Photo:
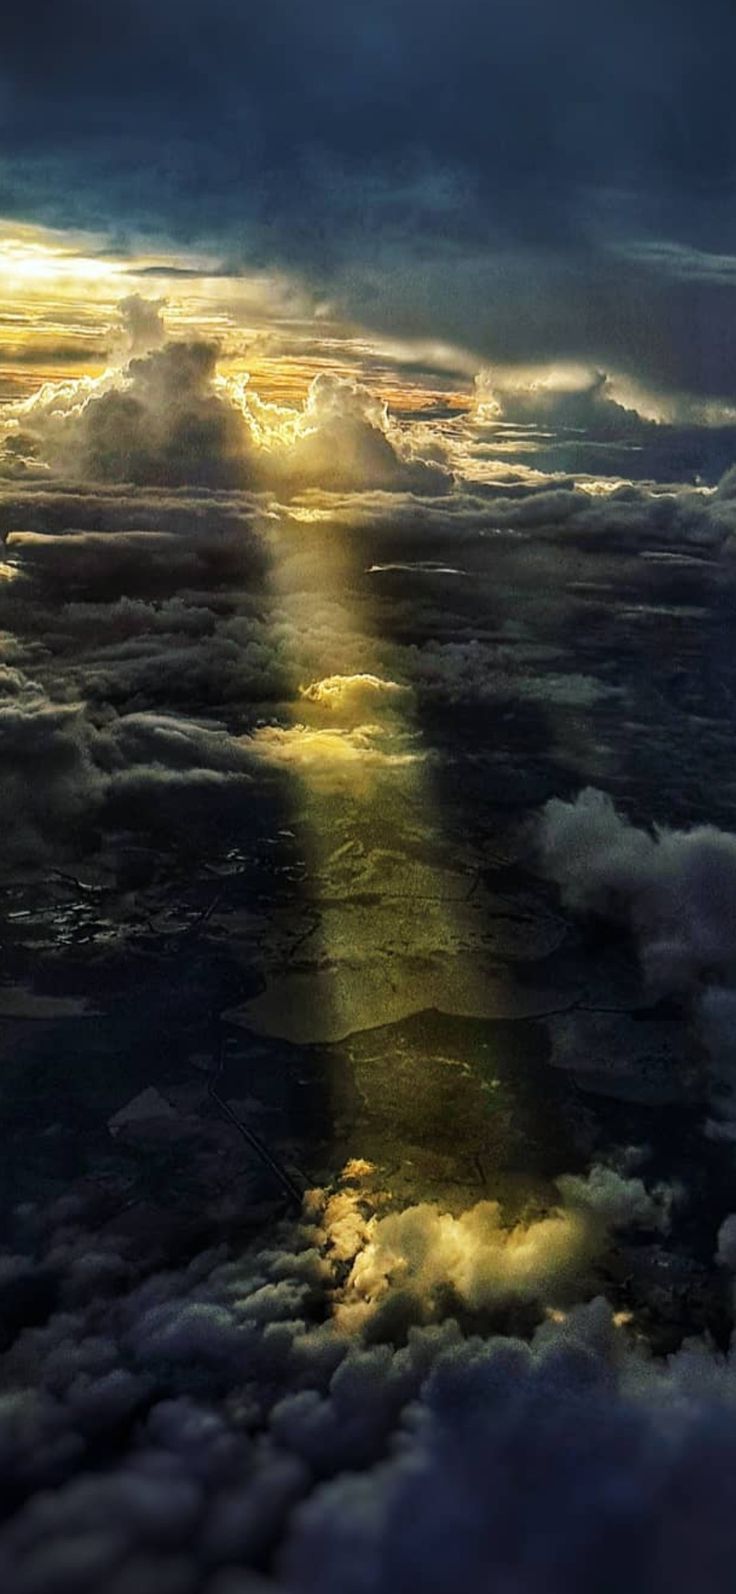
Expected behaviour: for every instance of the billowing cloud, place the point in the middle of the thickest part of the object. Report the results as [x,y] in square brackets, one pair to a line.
[480,1263]
[344,439]
[166,418]
[572,418]
[675,891]
[67,772]
[161,424]
[143,323]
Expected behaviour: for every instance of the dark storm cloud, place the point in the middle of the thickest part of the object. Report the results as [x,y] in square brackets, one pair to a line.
[524,177]
[102,564]
[481,526]
[58,506]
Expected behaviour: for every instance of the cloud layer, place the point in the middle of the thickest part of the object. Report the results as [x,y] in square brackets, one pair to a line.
[191,1427]
[358,1402]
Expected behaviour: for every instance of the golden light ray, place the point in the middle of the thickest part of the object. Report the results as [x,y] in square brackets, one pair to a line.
[393,936]
[390,929]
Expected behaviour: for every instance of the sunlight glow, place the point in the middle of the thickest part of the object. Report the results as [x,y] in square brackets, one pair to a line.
[24,262]
[390,929]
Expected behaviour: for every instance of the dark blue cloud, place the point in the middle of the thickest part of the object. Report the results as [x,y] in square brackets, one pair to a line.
[482,170]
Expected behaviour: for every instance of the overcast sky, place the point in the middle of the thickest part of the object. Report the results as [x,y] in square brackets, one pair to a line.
[532,181]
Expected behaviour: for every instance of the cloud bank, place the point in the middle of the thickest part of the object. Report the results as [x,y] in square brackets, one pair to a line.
[207,1425]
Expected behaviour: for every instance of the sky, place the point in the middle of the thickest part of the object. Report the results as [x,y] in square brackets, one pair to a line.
[522,184]
[368,793]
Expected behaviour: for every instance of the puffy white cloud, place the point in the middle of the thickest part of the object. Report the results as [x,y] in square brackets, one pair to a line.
[482,1263]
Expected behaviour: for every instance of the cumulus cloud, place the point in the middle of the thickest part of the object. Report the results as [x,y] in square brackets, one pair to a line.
[130,598]
[352,734]
[264,1414]
[573,418]
[598,859]
[472,1257]
[476,1260]
[675,889]
[168,418]
[572,398]
[344,439]
[167,425]
[143,323]
[545,1468]
[617,1201]
[158,421]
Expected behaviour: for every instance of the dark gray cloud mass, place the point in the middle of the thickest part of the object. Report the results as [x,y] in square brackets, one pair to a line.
[533,180]
[191,1427]
[135,607]
[417,1402]
[389,1394]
